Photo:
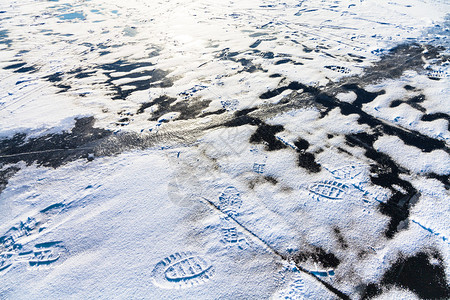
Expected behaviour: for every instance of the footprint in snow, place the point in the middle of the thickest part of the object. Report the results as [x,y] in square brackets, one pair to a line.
[182,270]
[230,201]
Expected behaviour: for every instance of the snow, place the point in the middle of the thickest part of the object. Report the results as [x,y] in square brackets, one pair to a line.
[173,208]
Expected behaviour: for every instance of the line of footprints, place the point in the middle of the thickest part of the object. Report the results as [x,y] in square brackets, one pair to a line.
[230,202]
[295,289]
[182,269]
[339,189]
[187,269]
[42,254]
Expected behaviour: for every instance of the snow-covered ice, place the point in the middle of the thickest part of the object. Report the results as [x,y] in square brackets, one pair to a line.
[224,149]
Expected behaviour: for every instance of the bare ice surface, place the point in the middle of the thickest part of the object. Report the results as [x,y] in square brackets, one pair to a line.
[224,149]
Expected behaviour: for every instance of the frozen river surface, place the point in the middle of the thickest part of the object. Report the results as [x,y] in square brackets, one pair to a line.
[224,149]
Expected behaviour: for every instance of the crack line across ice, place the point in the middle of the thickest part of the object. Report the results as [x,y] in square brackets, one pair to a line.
[444,238]
[283,257]
[43,151]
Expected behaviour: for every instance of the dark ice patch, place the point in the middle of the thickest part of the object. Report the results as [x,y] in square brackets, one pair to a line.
[124,66]
[144,106]
[157,77]
[307,49]
[275,75]
[301,144]
[271,180]
[266,134]
[413,102]
[340,238]
[283,61]
[4,38]
[397,207]
[386,173]
[247,64]
[436,116]
[370,291]
[29,69]
[53,150]
[63,87]
[409,137]
[244,112]
[5,175]
[362,96]
[273,93]
[307,161]
[423,274]
[81,73]
[188,109]
[84,74]
[398,59]
[242,118]
[268,55]
[255,44]
[55,77]
[357,58]
[319,256]
[15,66]
[123,121]
[420,275]
[225,54]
